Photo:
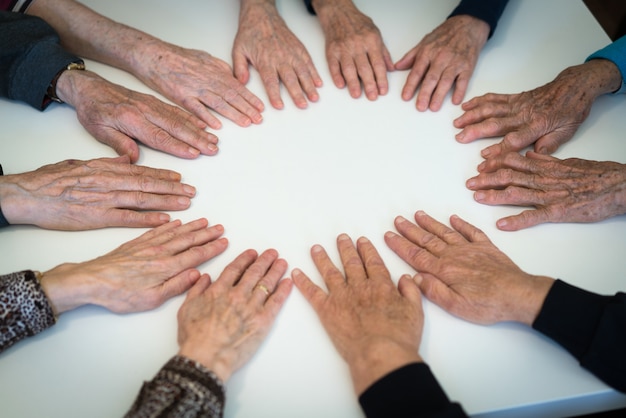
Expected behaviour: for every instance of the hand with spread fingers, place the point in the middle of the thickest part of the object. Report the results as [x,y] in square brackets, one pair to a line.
[464,273]
[222,324]
[446,57]
[140,274]
[375,326]
[81,195]
[570,190]
[355,50]
[264,40]
[545,117]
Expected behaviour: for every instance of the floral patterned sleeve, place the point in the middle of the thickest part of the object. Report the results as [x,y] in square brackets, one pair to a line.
[182,388]
[24,308]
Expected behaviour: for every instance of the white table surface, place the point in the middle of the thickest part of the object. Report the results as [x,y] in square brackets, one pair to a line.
[303,177]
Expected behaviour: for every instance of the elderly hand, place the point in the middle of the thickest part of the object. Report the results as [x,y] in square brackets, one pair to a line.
[264,40]
[447,56]
[465,274]
[375,326]
[80,195]
[197,81]
[117,117]
[571,190]
[222,324]
[547,116]
[140,274]
[354,49]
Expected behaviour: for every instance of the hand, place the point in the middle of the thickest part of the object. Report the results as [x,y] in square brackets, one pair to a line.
[117,117]
[547,116]
[78,195]
[446,56]
[354,49]
[264,40]
[465,274]
[375,326]
[140,274]
[221,325]
[571,190]
[197,81]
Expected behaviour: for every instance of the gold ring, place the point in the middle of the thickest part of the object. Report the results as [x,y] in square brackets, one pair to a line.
[263,288]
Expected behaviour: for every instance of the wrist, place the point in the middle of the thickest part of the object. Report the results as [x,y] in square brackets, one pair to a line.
[52,88]
[595,77]
[377,359]
[528,300]
[215,360]
[62,288]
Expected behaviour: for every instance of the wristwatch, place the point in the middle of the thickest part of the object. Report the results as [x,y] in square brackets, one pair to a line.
[52,88]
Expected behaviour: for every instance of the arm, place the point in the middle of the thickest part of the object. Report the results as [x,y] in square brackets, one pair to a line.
[192,79]
[589,326]
[31,57]
[355,50]
[79,195]
[264,40]
[547,116]
[570,190]
[377,328]
[220,327]
[448,55]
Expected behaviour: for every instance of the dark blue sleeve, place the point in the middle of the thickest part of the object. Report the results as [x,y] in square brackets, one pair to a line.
[309,6]
[3,220]
[30,57]
[591,327]
[487,10]
[408,392]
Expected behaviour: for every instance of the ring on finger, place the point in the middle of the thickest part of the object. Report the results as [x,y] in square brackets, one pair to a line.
[263,288]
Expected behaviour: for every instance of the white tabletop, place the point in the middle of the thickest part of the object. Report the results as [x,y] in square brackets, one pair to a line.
[301,178]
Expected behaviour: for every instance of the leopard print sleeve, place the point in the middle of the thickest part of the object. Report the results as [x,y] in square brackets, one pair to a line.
[24,308]
[182,388]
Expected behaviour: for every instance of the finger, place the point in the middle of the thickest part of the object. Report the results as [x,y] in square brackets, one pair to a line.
[311,292]
[367,77]
[122,218]
[441,90]
[437,292]
[230,104]
[525,219]
[120,142]
[350,258]
[165,238]
[551,141]
[257,271]
[541,157]
[512,141]
[199,287]
[410,290]
[419,236]
[235,269]
[269,281]
[414,78]
[374,265]
[198,254]
[271,82]
[332,276]
[417,257]
[122,165]
[179,284]
[429,83]
[335,72]
[469,231]
[277,299]
[199,109]
[350,74]
[292,83]
[240,66]
[444,233]
[306,78]
[460,87]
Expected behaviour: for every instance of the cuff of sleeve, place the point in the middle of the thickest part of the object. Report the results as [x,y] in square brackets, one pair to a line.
[570,316]
[3,220]
[309,6]
[616,53]
[404,391]
[487,10]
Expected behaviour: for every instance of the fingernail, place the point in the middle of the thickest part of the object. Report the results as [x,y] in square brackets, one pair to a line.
[460,136]
[502,223]
[470,183]
[389,235]
[296,272]
[400,220]
[184,201]
[479,196]
[363,240]
[316,249]
[193,151]
[420,213]
[486,152]
[190,190]
[418,279]
[481,166]
[164,217]
[343,237]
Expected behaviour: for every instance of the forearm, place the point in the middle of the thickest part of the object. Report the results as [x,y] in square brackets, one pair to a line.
[181,388]
[595,77]
[24,308]
[488,11]
[615,53]
[589,326]
[91,35]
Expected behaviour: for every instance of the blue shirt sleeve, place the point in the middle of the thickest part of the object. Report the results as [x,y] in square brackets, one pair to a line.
[487,10]
[616,53]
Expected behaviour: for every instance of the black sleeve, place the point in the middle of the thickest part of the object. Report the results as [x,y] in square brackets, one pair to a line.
[409,391]
[3,220]
[487,10]
[591,327]
[30,57]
